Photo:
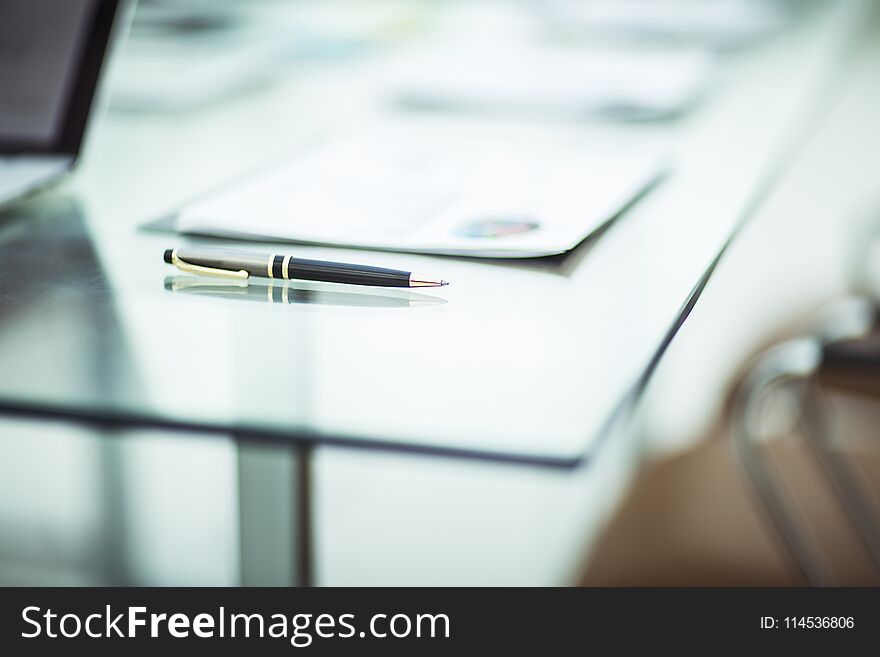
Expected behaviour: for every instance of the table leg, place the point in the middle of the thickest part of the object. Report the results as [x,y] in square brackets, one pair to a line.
[275,514]
[115,547]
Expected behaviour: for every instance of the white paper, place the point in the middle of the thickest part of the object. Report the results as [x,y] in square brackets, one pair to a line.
[446,192]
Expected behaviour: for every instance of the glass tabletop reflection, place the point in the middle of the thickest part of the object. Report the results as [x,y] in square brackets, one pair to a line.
[290,360]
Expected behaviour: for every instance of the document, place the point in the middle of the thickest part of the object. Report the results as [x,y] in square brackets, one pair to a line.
[719,24]
[450,190]
[553,82]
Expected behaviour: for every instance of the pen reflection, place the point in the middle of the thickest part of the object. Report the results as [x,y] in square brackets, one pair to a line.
[298,292]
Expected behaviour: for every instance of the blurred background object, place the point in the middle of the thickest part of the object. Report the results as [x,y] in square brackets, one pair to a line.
[189,54]
[716,24]
[822,500]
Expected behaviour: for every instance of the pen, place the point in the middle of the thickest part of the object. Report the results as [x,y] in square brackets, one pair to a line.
[242,265]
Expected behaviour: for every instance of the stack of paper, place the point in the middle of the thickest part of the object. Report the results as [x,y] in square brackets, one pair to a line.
[452,191]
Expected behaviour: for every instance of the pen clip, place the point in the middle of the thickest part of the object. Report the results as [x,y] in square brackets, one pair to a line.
[183,265]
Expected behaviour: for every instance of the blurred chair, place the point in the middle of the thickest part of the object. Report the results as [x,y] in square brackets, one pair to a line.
[820,392]
[830,381]
[797,501]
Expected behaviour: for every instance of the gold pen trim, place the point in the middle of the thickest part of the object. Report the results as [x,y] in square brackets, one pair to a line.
[285,264]
[269,265]
[183,265]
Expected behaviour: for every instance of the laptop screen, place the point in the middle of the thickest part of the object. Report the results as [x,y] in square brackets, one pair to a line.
[50,56]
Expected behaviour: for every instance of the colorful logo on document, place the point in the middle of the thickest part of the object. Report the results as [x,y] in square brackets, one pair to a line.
[497,227]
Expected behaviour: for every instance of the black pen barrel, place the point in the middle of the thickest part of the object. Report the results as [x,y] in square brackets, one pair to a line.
[340,272]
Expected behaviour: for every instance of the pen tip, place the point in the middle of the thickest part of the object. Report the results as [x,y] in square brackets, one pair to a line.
[167,256]
[416,280]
